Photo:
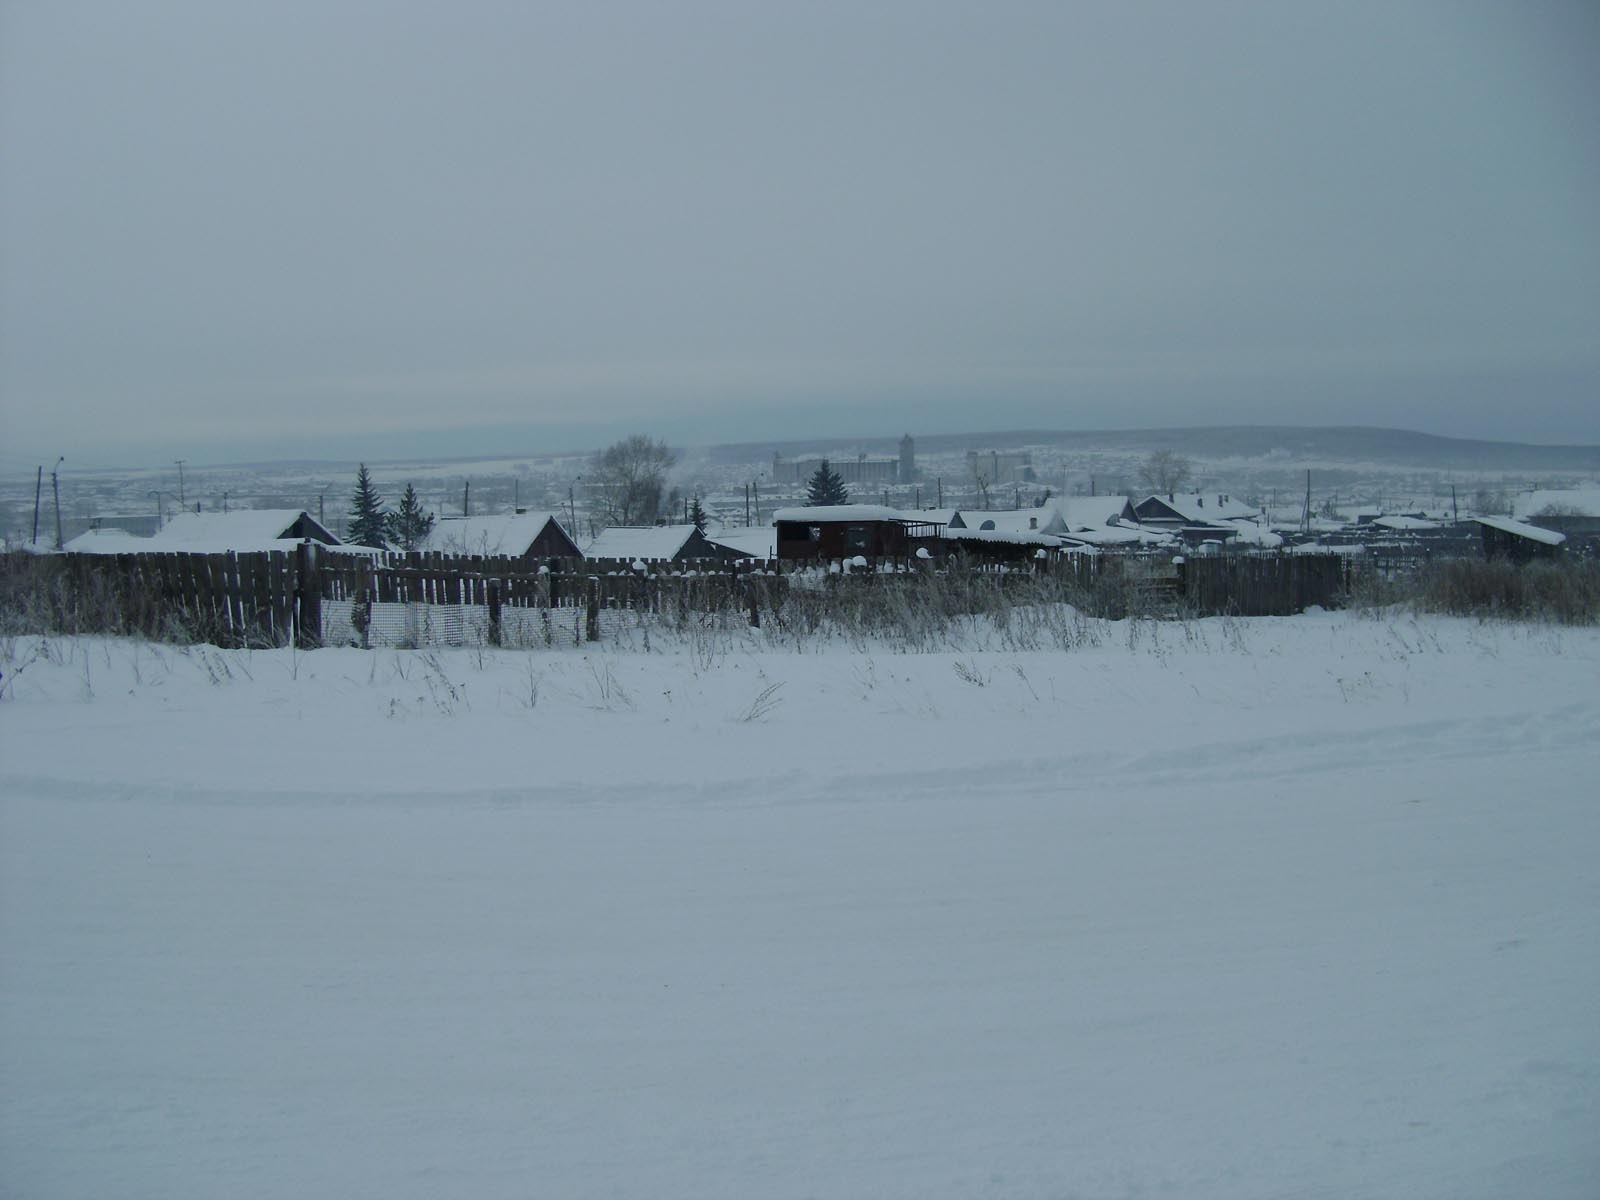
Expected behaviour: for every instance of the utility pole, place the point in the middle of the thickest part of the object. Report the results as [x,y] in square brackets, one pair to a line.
[939,482]
[919,497]
[1305,513]
[55,490]
[321,518]
[180,462]
[755,490]
[38,487]
[1454,507]
[466,498]
[747,506]
[572,504]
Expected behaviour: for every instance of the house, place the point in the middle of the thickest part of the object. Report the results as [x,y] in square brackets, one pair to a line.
[754,541]
[524,535]
[243,530]
[1106,522]
[1517,541]
[656,543]
[1195,519]
[106,541]
[841,531]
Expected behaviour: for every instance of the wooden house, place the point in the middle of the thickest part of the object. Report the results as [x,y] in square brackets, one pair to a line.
[657,543]
[528,536]
[1517,541]
[835,532]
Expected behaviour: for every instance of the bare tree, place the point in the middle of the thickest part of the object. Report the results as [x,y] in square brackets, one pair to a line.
[1165,471]
[629,478]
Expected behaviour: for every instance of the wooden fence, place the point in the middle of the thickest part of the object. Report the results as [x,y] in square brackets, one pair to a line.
[281,598]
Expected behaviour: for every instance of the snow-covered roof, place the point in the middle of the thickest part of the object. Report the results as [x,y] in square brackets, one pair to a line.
[642,542]
[242,530]
[107,541]
[1581,501]
[845,512]
[758,541]
[1548,537]
[1087,512]
[1404,523]
[1205,508]
[1254,533]
[1018,520]
[498,533]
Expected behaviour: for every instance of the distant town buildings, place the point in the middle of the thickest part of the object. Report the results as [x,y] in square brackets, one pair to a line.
[860,469]
[995,466]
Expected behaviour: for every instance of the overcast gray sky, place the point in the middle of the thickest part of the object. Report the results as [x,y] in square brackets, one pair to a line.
[243,229]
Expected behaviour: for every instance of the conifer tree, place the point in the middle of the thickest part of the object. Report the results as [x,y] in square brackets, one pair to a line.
[368,520]
[410,524]
[697,516]
[826,487]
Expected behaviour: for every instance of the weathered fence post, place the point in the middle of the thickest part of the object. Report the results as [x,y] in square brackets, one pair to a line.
[494,612]
[591,623]
[308,596]
[753,601]
[361,602]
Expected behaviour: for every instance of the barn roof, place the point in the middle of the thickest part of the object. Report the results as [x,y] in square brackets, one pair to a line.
[1404,524]
[242,530]
[497,533]
[1204,509]
[757,540]
[1014,519]
[644,542]
[1548,537]
[1087,512]
[107,541]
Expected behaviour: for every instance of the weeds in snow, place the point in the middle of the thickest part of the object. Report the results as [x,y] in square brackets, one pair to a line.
[766,701]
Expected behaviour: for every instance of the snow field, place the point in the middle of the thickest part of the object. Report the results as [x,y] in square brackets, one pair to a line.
[1253,908]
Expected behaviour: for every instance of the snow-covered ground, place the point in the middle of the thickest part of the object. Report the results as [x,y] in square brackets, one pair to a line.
[1232,909]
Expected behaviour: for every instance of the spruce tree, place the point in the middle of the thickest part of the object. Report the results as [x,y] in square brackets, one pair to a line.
[826,488]
[410,524]
[368,520]
[697,516]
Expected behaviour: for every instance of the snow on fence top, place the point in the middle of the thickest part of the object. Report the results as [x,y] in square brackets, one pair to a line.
[1010,537]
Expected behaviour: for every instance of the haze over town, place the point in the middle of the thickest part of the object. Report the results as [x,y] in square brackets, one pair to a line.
[350,231]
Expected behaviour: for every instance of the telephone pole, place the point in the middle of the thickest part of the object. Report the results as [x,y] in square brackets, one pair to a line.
[38,486]
[55,490]
[180,462]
